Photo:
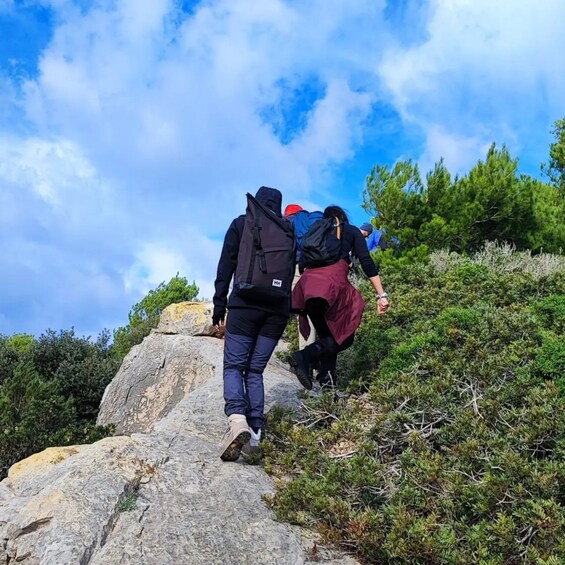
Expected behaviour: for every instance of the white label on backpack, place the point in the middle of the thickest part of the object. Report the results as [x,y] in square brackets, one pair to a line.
[277,283]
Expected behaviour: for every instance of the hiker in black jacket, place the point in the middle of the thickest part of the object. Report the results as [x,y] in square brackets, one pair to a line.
[253,328]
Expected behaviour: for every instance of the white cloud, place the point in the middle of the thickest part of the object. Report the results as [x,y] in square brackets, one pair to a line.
[149,128]
[57,172]
[159,262]
[487,70]
[459,153]
[59,227]
[163,104]
[145,127]
[480,43]
[326,140]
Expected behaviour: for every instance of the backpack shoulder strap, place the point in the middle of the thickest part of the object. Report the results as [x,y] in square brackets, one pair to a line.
[338,228]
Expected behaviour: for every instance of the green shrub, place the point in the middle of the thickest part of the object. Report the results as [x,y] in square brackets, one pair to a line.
[550,359]
[50,391]
[144,316]
[9,358]
[450,446]
[492,202]
[552,312]
[34,415]
[81,369]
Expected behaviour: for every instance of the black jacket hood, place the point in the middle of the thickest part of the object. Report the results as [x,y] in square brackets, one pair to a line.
[271,198]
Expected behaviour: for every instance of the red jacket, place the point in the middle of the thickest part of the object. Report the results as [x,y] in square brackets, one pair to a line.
[346,304]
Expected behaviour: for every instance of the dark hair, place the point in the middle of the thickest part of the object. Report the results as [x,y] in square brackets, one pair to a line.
[336,212]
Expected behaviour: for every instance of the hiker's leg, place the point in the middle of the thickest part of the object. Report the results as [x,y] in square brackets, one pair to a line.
[326,348]
[328,365]
[302,362]
[269,335]
[241,333]
[317,309]
[347,343]
[302,341]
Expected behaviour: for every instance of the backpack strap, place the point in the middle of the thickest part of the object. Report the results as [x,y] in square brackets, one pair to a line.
[338,228]
[258,245]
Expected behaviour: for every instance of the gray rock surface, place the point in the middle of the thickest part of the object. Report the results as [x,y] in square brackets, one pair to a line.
[159,497]
[153,378]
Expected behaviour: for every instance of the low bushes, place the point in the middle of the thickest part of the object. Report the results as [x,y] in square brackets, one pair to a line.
[450,446]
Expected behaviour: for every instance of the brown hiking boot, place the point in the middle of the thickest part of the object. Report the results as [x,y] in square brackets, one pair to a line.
[236,436]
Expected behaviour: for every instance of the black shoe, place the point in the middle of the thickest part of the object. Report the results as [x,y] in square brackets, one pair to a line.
[301,368]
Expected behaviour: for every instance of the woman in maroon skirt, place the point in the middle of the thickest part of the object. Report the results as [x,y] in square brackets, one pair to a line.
[333,304]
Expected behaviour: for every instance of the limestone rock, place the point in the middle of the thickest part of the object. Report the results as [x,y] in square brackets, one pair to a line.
[161,497]
[58,506]
[187,318]
[154,376]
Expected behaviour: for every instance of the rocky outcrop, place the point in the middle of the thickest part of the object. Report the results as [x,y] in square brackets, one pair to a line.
[154,377]
[187,318]
[161,371]
[159,495]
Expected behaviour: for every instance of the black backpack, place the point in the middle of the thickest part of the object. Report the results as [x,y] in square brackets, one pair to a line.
[303,221]
[321,245]
[265,261]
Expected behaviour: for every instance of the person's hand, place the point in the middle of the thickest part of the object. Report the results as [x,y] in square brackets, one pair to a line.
[218,326]
[382,305]
[219,329]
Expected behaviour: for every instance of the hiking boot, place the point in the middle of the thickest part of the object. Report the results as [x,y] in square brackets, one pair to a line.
[301,368]
[315,365]
[236,436]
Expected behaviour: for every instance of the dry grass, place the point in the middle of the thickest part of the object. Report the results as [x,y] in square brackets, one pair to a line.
[502,258]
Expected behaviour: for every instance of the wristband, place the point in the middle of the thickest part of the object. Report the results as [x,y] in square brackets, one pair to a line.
[383,295]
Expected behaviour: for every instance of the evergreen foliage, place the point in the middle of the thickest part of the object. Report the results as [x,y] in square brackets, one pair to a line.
[450,446]
[555,169]
[50,390]
[493,202]
[80,368]
[144,316]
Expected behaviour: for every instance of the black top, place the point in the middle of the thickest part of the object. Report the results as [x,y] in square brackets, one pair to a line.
[352,241]
[272,199]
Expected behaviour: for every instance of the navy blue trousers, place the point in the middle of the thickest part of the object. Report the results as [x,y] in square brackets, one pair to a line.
[251,337]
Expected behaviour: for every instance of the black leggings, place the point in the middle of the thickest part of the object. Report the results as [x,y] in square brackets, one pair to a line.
[325,349]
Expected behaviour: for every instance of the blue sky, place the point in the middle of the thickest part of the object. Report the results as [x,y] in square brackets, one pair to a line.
[130,130]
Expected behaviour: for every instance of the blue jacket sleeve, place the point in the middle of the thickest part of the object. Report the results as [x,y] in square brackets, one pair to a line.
[373,240]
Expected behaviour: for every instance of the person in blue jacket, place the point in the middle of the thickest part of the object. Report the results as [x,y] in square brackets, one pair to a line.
[377,239]
[372,236]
